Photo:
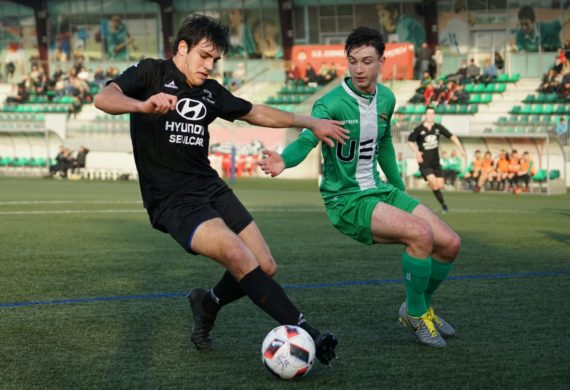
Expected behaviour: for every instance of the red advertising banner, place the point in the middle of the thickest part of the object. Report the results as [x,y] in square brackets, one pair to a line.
[399,59]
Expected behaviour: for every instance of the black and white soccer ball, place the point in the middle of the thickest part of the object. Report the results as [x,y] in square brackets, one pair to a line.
[288,352]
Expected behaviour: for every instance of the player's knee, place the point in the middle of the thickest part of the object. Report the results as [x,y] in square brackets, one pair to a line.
[422,237]
[454,246]
[236,260]
[451,248]
[269,266]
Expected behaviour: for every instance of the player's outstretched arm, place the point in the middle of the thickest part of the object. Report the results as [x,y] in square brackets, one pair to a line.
[457,143]
[272,163]
[417,153]
[113,101]
[325,130]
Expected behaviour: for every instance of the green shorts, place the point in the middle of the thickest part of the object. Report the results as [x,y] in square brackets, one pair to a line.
[352,215]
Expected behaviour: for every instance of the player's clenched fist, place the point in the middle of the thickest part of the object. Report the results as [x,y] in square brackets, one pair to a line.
[160,103]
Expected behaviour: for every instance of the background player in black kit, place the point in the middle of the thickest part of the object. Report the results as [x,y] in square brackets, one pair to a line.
[424,141]
[171,103]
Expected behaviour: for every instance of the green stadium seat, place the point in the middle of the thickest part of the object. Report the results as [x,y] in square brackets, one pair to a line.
[500,87]
[560,109]
[529,99]
[474,98]
[489,88]
[486,98]
[479,88]
[554,174]
[550,98]
[502,78]
[473,109]
[540,175]
[469,88]
[547,109]
[420,109]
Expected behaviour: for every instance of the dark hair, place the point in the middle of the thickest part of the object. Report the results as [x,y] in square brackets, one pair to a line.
[430,108]
[198,27]
[365,36]
[526,13]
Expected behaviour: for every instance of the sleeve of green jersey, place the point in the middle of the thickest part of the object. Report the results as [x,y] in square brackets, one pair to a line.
[298,150]
[387,159]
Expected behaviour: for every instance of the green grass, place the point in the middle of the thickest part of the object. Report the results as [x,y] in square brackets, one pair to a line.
[71,240]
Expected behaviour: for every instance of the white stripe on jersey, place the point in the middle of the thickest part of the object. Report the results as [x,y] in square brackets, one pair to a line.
[368,134]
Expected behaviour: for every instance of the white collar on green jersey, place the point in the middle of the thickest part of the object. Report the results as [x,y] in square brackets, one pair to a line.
[350,85]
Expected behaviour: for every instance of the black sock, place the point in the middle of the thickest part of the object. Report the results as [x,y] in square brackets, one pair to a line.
[271,298]
[439,197]
[226,291]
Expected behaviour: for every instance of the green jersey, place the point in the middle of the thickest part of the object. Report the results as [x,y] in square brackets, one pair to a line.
[351,168]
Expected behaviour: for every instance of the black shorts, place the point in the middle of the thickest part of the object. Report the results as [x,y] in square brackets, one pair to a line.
[425,171]
[181,215]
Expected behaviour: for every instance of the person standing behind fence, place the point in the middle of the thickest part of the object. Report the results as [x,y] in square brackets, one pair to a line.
[562,131]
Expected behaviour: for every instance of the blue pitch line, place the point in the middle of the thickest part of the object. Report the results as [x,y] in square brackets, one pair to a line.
[514,275]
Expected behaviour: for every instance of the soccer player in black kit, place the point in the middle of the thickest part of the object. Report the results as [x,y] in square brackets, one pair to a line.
[171,102]
[424,142]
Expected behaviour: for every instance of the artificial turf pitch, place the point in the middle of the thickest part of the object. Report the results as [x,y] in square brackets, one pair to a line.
[92,297]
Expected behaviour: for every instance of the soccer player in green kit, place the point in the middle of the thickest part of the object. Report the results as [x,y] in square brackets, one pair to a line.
[362,206]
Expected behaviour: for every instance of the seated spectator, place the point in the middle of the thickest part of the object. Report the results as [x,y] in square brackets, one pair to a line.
[22,95]
[526,171]
[429,94]
[473,72]
[99,77]
[564,87]
[459,95]
[442,92]
[293,73]
[452,166]
[62,163]
[489,72]
[502,169]
[238,75]
[514,168]
[444,162]
[474,172]
[424,82]
[324,75]
[549,82]
[58,73]
[79,161]
[488,173]
[310,74]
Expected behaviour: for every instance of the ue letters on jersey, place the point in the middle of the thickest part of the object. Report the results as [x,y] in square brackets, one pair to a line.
[171,150]
[428,142]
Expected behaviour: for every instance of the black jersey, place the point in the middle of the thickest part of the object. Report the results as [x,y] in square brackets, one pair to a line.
[171,150]
[428,142]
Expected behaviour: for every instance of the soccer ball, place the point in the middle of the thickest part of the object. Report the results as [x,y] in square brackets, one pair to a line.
[288,352]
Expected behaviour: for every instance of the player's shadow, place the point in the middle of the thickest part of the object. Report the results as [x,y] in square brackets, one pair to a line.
[563,238]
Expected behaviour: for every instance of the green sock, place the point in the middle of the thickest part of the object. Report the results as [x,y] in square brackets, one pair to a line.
[439,272]
[416,279]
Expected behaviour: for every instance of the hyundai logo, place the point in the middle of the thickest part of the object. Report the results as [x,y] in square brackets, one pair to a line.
[190,109]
